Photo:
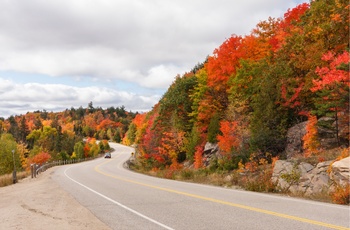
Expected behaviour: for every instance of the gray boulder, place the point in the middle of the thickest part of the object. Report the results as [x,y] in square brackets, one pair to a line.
[340,172]
[301,178]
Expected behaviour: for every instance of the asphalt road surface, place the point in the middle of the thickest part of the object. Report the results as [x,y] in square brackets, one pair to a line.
[127,200]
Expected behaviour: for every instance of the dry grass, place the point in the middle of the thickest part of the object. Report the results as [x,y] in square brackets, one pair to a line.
[7,179]
[324,155]
[259,180]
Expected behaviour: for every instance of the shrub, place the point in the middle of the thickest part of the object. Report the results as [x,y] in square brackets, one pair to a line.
[341,195]
[187,174]
[258,181]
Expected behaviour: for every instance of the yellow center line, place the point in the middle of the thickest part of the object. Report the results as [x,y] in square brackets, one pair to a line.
[300,219]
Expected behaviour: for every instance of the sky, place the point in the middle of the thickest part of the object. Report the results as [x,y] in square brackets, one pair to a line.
[60,54]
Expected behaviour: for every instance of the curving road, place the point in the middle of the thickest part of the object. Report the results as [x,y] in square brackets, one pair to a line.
[126,200]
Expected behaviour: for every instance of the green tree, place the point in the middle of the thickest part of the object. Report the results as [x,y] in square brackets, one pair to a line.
[13,130]
[268,122]
[214,128]
[176,106]
[131,134]
[23,130]
[79,149]
[37,123]
[7,145]
[193,141]
[46,138]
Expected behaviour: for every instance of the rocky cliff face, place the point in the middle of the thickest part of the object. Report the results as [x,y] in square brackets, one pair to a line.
[326,136]
[306,179]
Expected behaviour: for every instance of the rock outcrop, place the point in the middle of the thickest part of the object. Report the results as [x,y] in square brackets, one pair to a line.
[294,139]
[326,136]
[340,172]
[210,151]
[304,178]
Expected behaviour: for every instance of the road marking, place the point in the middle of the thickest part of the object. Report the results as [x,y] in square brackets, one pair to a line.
[116,202]
[300,219]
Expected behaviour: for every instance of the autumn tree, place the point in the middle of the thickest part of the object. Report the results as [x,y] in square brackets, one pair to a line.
[43,138]
[198,161]
[202,108]
[23,155]
[332,88]
[149,140]
[41,158]
[229,138]
[220,67]
[321,28]
[171,148]
[310,141]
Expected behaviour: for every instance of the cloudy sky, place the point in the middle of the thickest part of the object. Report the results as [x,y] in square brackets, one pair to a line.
[60,54]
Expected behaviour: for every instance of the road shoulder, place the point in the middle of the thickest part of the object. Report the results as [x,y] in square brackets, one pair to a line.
[40,203]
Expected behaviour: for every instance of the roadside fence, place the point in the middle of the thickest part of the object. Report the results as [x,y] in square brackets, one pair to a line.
[35,169]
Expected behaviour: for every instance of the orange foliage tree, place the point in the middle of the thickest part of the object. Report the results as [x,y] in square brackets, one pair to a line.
[171,145]
[311,144]
[224,62]
[198,162]
[229,138]
[41,158]
[107,123]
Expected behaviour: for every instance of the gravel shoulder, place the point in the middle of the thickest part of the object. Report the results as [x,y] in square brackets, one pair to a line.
[40,203]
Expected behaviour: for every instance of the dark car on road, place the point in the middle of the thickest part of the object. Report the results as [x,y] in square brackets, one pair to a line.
[108,155]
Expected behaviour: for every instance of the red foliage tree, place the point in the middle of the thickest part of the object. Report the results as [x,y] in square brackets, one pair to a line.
[229,138]
[333,88]
[224,62]
[288,25]
[334,74]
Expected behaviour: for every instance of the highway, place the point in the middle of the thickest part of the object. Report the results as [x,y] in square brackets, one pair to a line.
[127,200]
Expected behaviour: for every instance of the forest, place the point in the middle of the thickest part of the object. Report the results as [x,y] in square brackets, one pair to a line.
[249,92]
[41,136]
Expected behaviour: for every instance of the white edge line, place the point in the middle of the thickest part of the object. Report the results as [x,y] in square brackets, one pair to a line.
[117,203]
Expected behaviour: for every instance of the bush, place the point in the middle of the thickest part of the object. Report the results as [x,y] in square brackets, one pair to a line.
[186,174]
[259,181]
[341,195]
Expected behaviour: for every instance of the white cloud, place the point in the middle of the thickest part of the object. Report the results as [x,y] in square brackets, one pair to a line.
[155,76]
[141,42]
[20,98]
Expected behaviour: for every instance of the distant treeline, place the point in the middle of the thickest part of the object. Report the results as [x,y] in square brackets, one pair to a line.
[41,136]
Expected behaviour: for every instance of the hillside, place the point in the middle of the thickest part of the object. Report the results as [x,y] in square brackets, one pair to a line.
[246,96]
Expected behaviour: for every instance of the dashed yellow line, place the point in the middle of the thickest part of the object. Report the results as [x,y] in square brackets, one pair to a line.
[300,219]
